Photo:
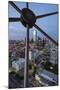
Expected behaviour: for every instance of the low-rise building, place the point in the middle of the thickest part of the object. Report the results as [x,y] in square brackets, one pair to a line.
[33,54]
[47,78]
[18,64]
[54,55]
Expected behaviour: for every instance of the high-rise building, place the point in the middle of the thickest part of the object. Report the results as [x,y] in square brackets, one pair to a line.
[34,35]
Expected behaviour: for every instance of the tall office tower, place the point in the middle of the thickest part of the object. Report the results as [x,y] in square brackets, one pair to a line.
[34,35]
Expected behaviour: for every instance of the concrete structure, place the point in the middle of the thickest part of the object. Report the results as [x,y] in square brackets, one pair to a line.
[34,35]
[54,55]
[18,64]
[33,54]
[46,78]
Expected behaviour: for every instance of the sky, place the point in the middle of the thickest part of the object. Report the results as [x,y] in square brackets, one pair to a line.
[16,31]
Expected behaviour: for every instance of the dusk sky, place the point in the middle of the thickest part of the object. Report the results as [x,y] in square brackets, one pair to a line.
[49,24]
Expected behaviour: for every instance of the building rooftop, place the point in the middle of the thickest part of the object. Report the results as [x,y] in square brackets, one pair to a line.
[48,75]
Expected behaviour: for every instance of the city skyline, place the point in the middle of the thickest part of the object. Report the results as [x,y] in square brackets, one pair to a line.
[33,62]
[49,24]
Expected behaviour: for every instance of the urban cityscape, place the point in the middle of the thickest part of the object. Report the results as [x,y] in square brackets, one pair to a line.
[42,62]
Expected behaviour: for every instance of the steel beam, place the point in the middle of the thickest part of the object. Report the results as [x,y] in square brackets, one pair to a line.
[26,58]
